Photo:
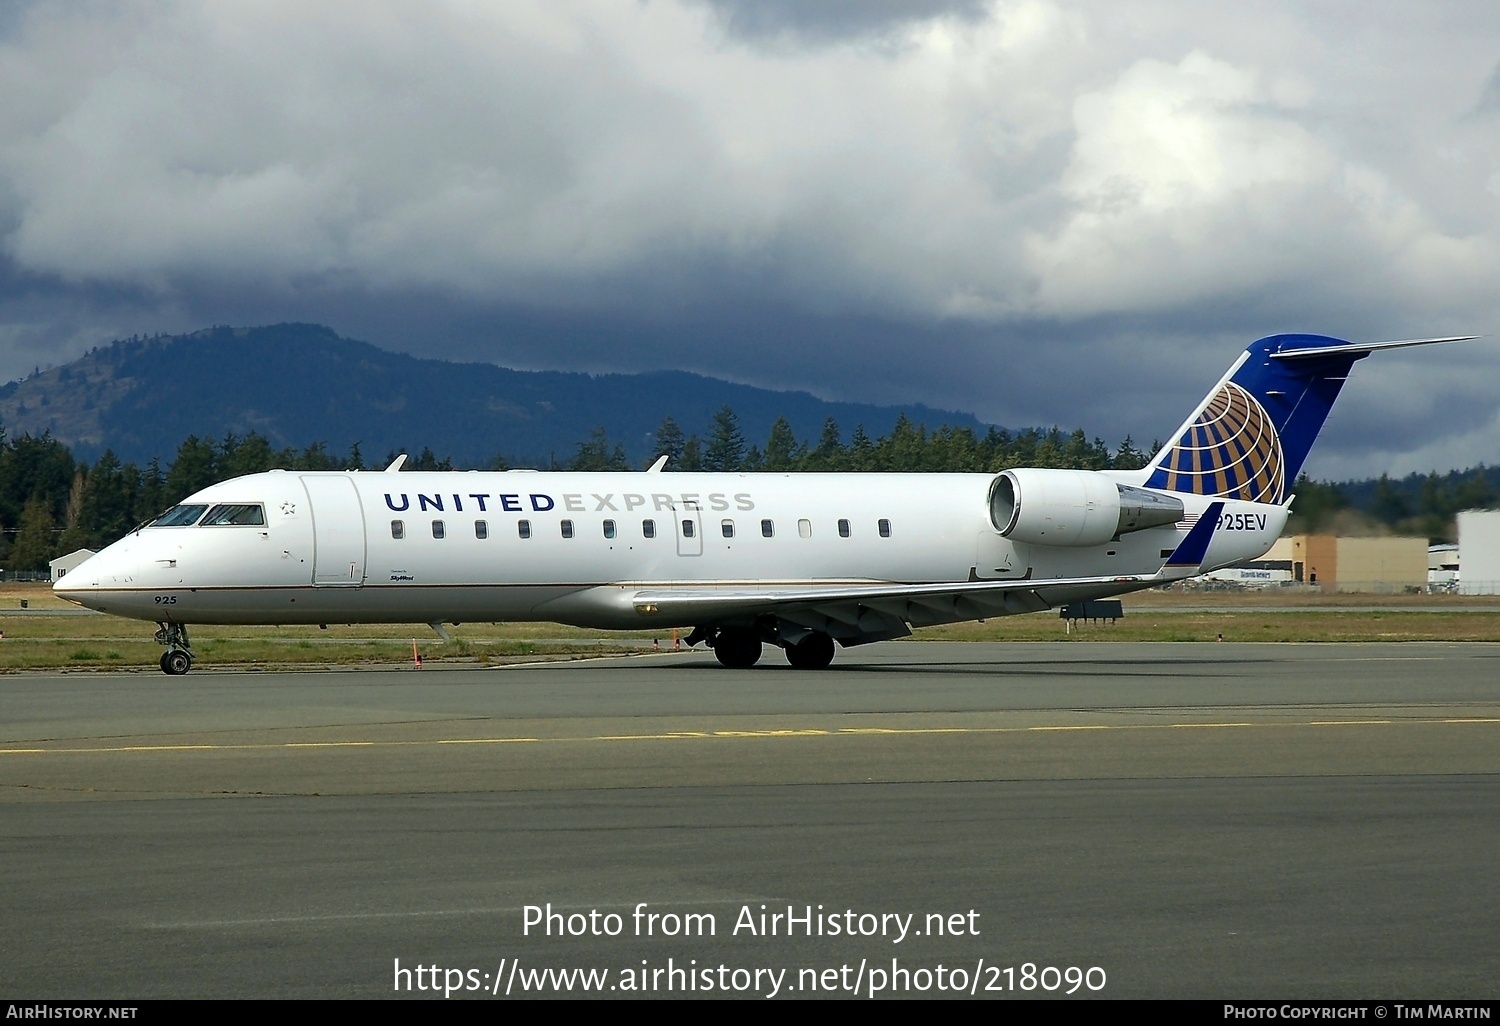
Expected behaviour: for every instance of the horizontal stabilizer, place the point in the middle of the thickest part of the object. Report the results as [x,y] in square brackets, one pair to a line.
[1361,348]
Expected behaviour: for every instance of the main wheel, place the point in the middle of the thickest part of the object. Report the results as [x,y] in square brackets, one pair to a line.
[811,653]
[739,650]
[176,662]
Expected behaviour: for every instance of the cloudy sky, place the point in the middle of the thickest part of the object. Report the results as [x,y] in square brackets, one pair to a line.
[1071,213]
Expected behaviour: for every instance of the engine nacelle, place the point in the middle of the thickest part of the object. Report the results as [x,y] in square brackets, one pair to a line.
[1074,507]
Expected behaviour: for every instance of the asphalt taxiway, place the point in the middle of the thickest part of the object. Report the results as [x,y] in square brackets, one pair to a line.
[1208,820]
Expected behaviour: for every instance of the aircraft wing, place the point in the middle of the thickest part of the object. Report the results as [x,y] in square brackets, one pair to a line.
[878,611]
[856,611]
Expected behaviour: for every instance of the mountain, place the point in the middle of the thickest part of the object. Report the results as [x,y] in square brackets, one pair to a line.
[297,384]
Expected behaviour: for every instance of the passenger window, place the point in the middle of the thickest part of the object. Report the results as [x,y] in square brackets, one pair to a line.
[767,529]
[727,527]
[523,528]
[567,528]
[885,528]
[398,529]
[687,528]
[843,528]
[804,528]
[609,529]
[481,529]
[438,530]
[648,528]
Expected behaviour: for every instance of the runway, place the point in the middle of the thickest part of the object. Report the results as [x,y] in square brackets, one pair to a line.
[1217,821]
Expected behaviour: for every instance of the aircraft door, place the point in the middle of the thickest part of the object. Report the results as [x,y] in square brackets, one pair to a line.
[689,529]
[338,531]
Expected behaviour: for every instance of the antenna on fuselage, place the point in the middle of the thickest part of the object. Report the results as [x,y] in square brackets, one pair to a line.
[396,464]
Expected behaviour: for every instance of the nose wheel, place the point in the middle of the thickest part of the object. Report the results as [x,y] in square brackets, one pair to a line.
[176,663]
[178,658]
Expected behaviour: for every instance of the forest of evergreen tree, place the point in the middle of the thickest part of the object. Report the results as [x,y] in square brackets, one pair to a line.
[52,504]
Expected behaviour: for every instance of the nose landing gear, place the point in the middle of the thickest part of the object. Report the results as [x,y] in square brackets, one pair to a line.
[178,658]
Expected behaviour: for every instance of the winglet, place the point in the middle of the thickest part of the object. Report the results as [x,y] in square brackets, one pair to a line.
[655,468]
[1190,552]
[396,464]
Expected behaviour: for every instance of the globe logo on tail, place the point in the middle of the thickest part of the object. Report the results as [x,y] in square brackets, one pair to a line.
[1230,450]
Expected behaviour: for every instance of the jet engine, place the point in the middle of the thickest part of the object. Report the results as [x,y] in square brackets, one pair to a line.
[1074,507]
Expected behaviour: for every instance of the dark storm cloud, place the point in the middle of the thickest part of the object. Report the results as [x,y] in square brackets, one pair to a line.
[834,20]
[1489,99]
[1044,213]
[13,13]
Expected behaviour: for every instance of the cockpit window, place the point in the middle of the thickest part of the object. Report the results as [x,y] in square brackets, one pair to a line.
[235,514]
[180,516]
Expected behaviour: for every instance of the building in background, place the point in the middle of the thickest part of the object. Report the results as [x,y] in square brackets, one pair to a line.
[1273,570]
[1479,541]
[1378,565]
[1442,568]
[62,564]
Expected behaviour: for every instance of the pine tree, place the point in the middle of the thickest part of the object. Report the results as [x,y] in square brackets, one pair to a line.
[1127,456]
[106,505]
[828,454]
[692,454]
[427,460]
[782,448]
[1315,505]
[861,452]
[596,454]
[1388,504]
[34,547]
[314,457]
[195,468]
[249,455]
[35,467]
[151,495]
[669,443]
[726,445]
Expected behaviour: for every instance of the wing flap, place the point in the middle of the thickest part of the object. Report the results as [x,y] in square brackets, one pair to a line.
[852,609]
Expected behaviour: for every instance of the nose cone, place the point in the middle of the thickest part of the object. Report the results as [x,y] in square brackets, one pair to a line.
[87,583]
[77,582]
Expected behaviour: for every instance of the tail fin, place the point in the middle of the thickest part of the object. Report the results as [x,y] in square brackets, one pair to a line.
[1250,436]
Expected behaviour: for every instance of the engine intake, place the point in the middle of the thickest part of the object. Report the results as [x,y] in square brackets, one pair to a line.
[1074,507]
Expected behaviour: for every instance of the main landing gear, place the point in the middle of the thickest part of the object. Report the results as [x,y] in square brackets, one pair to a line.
[178,658]
[739,648]
[813,652]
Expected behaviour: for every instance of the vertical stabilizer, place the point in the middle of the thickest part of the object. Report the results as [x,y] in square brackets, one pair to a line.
[1250,436]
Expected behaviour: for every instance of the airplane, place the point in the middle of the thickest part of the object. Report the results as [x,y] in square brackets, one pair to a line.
[805,562]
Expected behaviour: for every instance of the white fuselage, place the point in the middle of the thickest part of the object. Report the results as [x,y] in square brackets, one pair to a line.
[387,547]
